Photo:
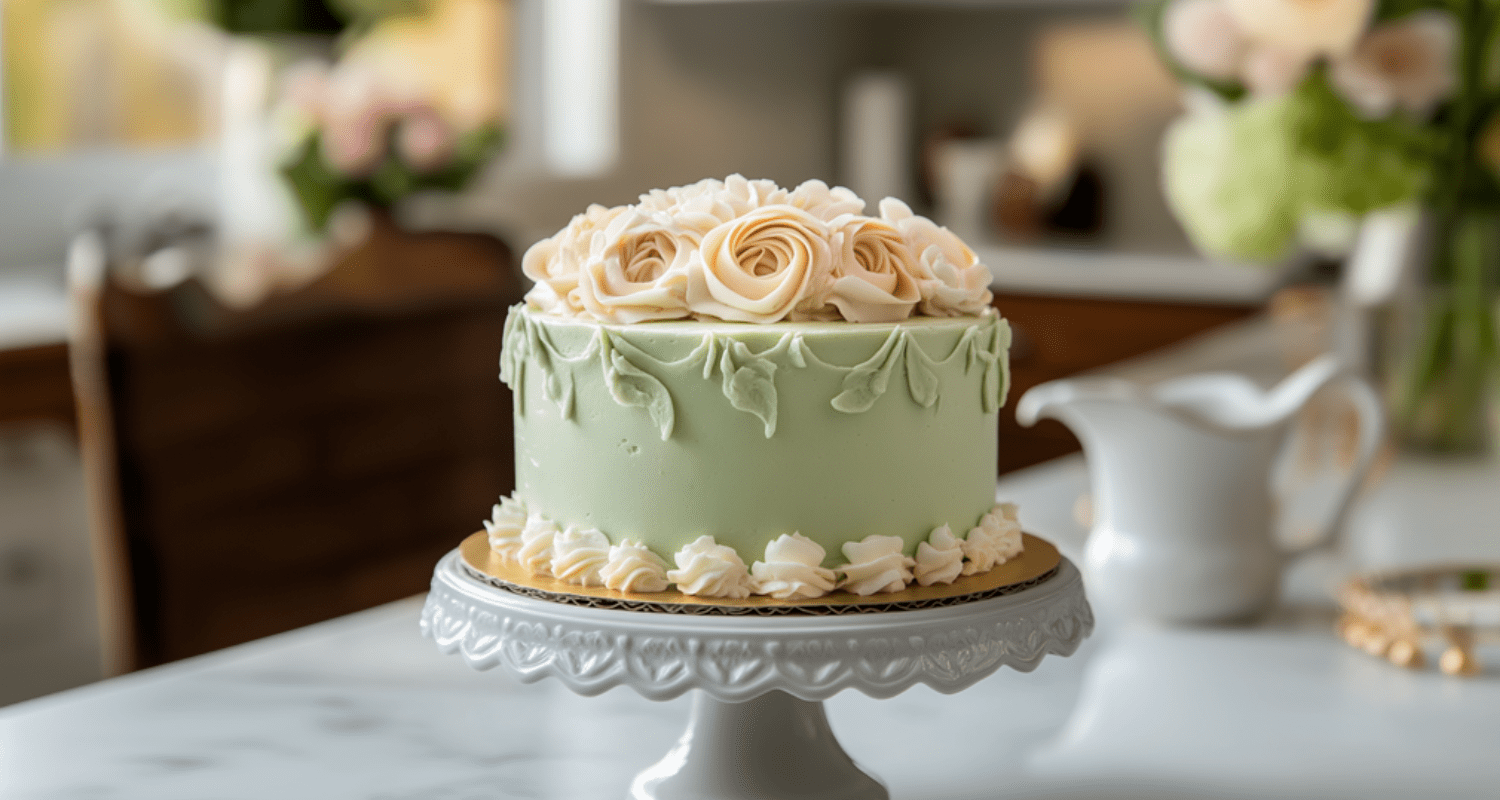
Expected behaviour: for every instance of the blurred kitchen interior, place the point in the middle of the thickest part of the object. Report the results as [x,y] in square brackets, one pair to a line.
[219,421]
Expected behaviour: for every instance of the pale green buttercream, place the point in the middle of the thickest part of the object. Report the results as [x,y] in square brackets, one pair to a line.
[666,431]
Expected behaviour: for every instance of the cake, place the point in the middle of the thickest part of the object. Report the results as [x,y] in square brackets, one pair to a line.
[732,389]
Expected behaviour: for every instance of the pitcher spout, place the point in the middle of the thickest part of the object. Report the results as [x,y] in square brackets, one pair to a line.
[1232,403]
[1051,400]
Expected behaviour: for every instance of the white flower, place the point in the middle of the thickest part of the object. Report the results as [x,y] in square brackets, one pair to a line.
[1203,36]
[1407,63]
[876,565]
[874,273]
[632,567]
[507,521]
[759,266]
[952,281]
[1311,27]
[940,559]
[637,271]
[708,569]
[555,263]
[793,569]
[1274,71]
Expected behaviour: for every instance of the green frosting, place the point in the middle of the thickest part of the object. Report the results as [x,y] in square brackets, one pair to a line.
[665,431]
[748,377]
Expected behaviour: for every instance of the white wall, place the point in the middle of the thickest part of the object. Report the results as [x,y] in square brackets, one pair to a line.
[705,91]
[44,200]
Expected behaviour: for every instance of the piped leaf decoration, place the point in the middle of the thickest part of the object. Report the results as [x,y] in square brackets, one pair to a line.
[1001,352]
[632,386]
[559,389]
[557,384]
[969,344]
[921,377]
[868,381]
[750,383]
[989,398]
[513,357]
[795,352]
[709,347]
[996,379]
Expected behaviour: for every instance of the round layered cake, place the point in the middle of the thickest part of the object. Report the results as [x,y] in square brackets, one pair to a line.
[734,389]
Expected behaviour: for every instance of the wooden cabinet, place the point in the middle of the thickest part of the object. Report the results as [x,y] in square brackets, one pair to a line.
[1054,337]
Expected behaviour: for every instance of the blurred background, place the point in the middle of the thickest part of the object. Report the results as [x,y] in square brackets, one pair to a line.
[255,257]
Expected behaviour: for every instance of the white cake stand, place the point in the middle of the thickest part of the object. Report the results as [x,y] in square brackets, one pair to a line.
[757,728]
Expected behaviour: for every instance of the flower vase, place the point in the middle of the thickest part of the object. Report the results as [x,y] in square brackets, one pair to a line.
[1441,369]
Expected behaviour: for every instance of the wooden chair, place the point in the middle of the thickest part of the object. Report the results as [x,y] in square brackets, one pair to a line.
[252,472]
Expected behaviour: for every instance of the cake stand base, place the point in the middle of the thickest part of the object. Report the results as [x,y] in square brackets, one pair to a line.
[757,728]
[772,746]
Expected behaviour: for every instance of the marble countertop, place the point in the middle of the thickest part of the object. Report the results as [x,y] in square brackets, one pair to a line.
[363,707]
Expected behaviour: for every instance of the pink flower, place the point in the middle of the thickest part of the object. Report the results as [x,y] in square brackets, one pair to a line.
[425,140]
[304,86]
[356,116]
[1203,36]
[1407,63]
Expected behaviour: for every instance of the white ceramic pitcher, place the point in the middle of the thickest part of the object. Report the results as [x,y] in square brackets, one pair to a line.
[1181,470]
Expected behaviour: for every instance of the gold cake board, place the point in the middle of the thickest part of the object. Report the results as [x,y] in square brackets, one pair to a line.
[1037,563]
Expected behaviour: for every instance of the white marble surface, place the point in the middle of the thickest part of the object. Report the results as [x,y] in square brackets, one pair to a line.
[363,707]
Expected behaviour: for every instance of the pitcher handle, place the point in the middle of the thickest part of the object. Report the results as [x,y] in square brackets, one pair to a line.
[1367,408]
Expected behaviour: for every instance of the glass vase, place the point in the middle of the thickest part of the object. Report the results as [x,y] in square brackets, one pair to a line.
[1441,382]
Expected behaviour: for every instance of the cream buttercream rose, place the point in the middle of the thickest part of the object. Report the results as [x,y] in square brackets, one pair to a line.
[637,271]
[749,251]
[758,267]
[874,274]
[555,263]
[953,281]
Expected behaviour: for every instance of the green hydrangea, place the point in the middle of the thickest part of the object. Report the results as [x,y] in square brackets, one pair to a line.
[1241,177]
[1228,175]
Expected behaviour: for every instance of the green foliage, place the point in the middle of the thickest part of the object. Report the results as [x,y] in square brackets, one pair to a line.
[1347,163]
[319,188]
[1395,9]
[274,16]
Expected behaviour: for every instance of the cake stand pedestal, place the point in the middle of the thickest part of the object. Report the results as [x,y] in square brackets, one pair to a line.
[757,728]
